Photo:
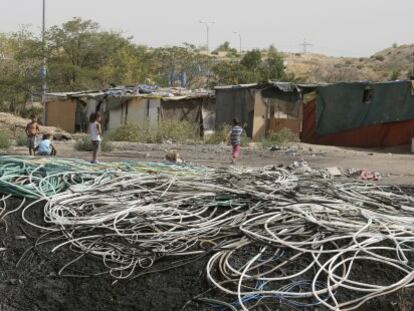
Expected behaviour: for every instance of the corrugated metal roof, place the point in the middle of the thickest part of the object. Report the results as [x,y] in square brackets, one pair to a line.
[143,91]
[237,86]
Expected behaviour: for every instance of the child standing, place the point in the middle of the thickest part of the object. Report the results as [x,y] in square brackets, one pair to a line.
[32,129]
[235,140]
[95,130]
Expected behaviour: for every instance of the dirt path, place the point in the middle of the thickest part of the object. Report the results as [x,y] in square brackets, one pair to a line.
[396,164]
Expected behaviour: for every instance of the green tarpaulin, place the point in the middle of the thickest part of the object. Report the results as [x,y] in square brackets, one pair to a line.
[346,106]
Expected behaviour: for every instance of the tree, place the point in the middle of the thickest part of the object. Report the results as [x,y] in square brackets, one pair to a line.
[180,64]
[395,75]
[273,66]
[20,63]
[252,60]
[83,56]
[252,68]
[224,47]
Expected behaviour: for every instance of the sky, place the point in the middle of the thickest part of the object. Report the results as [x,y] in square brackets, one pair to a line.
[334,27]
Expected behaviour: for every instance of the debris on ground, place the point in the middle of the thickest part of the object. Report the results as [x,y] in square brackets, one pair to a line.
[173,156]
[363,174]
[334,171]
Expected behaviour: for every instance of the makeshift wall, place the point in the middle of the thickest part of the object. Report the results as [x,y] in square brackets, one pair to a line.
[133,110]
[379,135]
[345,106]
[137,110]
[117,117]
[153,108]
[235,103]
[208,112]
[284,109]
[61,114]
[182,110]
[260,116]
[284,114]
[85,107]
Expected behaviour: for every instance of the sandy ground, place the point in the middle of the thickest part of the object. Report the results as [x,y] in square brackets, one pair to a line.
[395,164]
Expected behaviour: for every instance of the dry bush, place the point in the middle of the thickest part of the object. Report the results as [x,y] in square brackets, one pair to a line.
[281,137]
[174,131]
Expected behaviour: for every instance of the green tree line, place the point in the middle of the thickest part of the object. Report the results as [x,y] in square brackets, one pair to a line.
[81,55]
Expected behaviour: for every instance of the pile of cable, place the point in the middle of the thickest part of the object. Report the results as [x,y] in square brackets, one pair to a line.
[273,236]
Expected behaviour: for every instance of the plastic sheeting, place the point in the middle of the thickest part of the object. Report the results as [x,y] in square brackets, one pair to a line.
[346,106]
[235,103]
[379,135]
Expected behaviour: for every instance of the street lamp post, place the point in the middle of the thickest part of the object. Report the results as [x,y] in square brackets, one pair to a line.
[44,64]
[207,25]
[240,41]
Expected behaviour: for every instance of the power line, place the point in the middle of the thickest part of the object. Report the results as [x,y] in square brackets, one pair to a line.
[305,46]
[207,25]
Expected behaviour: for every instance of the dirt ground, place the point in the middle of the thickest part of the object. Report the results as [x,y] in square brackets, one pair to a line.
[395,164]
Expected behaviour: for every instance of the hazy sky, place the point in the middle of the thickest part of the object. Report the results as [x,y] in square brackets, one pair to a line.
[335,27]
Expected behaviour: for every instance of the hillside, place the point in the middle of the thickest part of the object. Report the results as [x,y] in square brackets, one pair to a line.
[390,64]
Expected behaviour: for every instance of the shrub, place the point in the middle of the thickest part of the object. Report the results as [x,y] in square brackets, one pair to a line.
[175,131]
[85,144]
[281,137]
[218,136]
[379,58]
[395,75]
[21,139]
[5,139]
[28,112]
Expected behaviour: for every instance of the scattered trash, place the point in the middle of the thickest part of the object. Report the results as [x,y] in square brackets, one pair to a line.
[367,175]
[334,171]
[363,174]
[300,167]
[173,156]
[276,148]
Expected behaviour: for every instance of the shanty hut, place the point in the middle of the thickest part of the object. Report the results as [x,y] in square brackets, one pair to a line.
[261,108]
[360,114]
[60,111]
[122,105]
[197,108]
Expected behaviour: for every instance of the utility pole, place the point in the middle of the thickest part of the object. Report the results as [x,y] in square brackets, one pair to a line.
[240,38]
[305,46]
[44,65]
[207,25]
[412,70]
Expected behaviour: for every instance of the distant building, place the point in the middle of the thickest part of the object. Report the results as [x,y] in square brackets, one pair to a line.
[261,108]
[122,105]
[355,114]
[360,114]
